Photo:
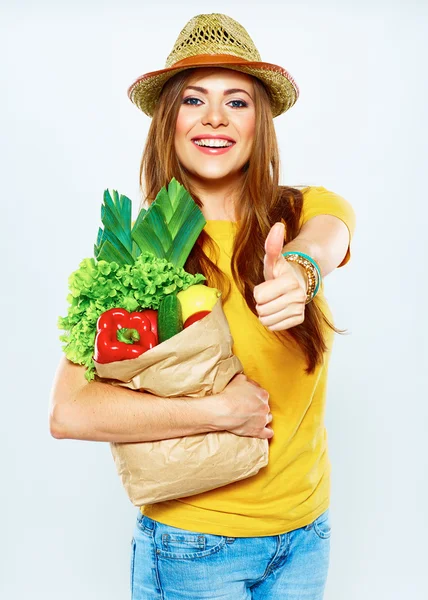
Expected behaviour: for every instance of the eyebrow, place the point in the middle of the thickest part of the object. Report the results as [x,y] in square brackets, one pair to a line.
[225,93]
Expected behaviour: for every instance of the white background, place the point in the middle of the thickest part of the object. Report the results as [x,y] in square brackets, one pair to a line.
[69,131]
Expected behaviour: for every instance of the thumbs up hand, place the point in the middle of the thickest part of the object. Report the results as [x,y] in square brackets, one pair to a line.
[280,299]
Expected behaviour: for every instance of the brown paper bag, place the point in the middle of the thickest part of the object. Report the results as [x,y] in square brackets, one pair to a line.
[196,362]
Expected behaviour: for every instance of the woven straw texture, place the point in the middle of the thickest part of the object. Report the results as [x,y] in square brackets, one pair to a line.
[213,34]
[219,39]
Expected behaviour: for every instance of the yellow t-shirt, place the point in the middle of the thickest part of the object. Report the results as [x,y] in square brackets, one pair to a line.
[294,488]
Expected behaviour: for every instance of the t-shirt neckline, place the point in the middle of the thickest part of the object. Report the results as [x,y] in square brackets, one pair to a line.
[220,228]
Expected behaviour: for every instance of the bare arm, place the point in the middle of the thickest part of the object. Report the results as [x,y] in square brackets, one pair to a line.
[325,238]
[102,412]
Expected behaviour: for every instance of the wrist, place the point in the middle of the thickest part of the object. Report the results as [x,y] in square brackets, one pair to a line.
[216,412]
[301,274]
[311,268]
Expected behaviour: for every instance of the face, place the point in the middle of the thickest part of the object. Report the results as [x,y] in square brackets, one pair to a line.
[222,106]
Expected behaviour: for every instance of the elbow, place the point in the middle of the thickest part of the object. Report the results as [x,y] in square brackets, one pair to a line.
[62,418]
[56,426]
[67,423]
[64,414]
[55,433]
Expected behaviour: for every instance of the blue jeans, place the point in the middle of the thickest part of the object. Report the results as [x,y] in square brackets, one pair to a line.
[168,563]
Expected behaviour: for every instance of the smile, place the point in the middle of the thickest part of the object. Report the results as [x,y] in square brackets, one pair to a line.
[214,149]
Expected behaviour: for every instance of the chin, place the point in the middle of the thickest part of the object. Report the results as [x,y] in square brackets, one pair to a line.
[215,174]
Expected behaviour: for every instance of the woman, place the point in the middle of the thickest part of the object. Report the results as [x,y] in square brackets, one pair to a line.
[266,536]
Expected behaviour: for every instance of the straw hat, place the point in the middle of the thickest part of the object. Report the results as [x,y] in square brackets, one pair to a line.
[215,40]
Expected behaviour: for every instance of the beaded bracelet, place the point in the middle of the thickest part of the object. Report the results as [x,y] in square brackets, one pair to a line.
[313,272]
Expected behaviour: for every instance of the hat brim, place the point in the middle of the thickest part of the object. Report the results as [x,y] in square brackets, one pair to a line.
[282,89]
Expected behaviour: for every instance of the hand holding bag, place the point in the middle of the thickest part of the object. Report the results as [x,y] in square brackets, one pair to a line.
[196,362]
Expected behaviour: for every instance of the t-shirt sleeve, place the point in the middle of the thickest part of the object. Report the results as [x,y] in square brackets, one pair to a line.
[320,201]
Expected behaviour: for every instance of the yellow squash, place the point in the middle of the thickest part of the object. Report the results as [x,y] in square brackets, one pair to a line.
[196,298]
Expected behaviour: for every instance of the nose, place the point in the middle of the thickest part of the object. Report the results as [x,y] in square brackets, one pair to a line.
[214,115]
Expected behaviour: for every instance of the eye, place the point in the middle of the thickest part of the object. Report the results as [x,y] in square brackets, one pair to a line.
[243,104]
[185,101]
[189,102]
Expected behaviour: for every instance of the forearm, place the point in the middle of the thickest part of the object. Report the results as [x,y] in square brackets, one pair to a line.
[325,238]
[106,413]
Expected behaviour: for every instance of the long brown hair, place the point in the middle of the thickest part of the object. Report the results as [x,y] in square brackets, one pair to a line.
[261,203]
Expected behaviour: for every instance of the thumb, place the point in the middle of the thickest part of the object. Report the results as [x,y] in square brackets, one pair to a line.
[273,249]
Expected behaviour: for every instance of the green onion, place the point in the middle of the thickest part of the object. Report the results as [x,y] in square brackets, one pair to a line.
[171,225]
[168,229]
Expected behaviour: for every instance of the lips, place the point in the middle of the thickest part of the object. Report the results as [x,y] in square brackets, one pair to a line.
[218,150]
[207,136]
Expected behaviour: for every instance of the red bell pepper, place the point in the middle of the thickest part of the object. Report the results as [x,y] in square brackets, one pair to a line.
[122,335]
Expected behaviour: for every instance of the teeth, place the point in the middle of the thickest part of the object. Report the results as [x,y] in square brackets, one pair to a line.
[213,143]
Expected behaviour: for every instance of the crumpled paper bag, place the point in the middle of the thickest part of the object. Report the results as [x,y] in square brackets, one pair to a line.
[196,362]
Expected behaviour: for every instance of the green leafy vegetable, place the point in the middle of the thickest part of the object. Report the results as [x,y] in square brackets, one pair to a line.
[97,286]
[135,266]
[168,229]
[171,225]
[114,243]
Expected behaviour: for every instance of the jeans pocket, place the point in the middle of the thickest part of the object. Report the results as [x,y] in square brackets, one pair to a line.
[173,542]
[322,525]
